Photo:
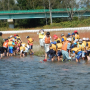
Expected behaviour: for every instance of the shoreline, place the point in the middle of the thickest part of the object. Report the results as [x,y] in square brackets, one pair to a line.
[51,30]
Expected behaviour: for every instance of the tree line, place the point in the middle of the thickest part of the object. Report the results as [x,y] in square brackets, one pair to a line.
[69,5]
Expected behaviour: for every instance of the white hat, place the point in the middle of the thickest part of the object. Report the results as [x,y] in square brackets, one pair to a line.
[87,39]
[11,36]
[80,40]
[84,39]
[69,39]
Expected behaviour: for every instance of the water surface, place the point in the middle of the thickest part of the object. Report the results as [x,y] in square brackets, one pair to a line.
[30,73]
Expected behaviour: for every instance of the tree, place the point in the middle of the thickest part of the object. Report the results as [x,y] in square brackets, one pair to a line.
[8,5]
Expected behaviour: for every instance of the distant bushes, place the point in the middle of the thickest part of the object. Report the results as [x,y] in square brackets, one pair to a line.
[40,23]
[74,23]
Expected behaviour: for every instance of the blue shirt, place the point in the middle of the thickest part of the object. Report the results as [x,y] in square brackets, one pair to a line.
[62,39]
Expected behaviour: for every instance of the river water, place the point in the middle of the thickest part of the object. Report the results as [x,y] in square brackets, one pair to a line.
[30,73]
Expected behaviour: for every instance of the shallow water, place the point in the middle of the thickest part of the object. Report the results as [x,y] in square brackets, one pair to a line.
[30,73]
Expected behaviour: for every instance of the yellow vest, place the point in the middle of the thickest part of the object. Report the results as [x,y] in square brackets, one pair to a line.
[41,35]
[53,47]
[59,46]
[18,37]
[22,48]
[13,38]
[77,36]
[30,41]
[64,38]
[9,40]
[84,42]
[81,47]
[23,44]
[75,49]
[10,44]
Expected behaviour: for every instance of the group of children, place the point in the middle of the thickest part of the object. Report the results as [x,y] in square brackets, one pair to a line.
[64,48]
[14,45]
[67,48]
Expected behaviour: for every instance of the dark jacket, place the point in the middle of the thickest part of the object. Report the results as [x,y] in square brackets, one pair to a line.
[1,41]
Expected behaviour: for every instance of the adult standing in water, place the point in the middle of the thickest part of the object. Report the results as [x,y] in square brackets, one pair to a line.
[41,34]
[1,44]
[47,40]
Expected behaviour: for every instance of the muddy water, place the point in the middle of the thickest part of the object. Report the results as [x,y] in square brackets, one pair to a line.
[30,73]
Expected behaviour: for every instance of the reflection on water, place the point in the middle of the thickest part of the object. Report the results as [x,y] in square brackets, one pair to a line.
[30,73]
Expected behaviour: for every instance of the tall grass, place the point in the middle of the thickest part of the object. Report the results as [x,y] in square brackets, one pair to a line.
[38,51]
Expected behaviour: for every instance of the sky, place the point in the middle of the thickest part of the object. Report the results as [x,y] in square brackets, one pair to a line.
[15,1]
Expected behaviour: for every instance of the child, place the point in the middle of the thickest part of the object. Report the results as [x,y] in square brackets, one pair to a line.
[63,38]
[30,43]
[59,52]
[22,49]
[26,49]
[5,46]
[81,46]
[77,53]
[52,51]
[56,38]
[11,45]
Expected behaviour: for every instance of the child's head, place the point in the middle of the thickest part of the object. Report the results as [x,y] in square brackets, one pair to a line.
[27,37]
[76,32]
[6,40]
[58,41]
[17,35]
[75,44]
[80,41]
[68,35]
[55,37]
[62,35]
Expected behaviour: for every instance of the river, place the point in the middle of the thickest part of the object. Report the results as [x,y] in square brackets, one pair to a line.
[30,73]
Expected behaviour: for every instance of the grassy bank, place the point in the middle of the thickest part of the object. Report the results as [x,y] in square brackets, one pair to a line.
[38,51]
[64,24]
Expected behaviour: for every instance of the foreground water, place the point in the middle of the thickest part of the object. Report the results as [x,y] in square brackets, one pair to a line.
[30,74]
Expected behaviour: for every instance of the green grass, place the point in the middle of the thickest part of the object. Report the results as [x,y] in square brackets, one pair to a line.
[67,24]
[38,51]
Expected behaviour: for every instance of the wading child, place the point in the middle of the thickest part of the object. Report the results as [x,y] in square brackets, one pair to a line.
[77,53]
[5,47]
[22,49]
[59,50]
[11,45]
[30,43]
[52,51]
[63,38]
[81,46]
[56,38]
